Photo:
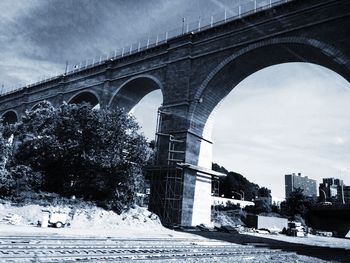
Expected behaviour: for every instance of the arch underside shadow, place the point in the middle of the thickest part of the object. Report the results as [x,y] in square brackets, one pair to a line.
[85,97]
[242,66]
[131,92]
[9,117]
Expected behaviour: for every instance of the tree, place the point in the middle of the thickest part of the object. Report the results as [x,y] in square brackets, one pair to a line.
[93,154]
[6,180]
[219,168]
[264,192]
[234,184]
[258,208]
[4,149]
[296,204]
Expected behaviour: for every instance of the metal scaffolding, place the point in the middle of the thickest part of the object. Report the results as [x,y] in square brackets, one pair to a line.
[166,193]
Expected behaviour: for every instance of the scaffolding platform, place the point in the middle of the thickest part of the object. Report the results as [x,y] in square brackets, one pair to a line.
[166,193]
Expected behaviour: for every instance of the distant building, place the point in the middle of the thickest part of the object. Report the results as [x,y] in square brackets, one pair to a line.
[294,181]
[346,190]
[334,190]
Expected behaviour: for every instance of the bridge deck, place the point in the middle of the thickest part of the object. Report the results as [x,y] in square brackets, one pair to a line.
[241,11]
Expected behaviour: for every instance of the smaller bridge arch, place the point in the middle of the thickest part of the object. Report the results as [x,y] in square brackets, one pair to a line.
[9,117]
[86,96]
[38,104]
[133,90]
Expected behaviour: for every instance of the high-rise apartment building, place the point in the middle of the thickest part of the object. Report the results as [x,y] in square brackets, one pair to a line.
[334,190]
[294,181]
[346,190]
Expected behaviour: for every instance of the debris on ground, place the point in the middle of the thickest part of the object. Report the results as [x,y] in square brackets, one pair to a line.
[79,216]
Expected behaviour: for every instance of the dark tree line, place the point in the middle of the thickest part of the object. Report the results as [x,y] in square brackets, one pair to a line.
[234,183]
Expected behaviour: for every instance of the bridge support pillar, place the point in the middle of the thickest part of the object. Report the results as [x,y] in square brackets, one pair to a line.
[181,182]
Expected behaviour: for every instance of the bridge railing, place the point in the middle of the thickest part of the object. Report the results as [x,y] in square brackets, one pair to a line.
[231,14]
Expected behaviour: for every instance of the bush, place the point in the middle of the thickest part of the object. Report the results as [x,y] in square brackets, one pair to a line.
[19,181]
[259,207]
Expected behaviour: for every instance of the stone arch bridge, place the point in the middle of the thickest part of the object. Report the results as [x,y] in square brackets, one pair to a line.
[194,72]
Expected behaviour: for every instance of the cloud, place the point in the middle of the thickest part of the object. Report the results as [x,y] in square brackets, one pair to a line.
[50,32]
[339,141]
[39,32]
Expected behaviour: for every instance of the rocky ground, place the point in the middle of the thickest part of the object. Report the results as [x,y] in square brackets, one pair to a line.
[139,235]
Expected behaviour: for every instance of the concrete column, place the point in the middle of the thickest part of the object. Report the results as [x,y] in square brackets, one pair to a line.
[197,185]
[195,203]
[106,92]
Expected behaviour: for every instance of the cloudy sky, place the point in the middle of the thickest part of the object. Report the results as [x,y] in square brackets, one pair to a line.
[283,119]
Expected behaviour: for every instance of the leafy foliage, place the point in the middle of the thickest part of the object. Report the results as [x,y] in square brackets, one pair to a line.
[4,149]
[259,207]
[95,155]
[25,179]
[6,181]
[234,183]
[296,204]
[264,192]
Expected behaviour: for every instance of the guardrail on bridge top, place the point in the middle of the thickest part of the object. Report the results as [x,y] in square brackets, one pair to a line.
[231,14]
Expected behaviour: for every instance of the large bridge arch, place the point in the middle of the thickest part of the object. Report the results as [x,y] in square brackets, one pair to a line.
[243,63]
[10,117]
[218,83]
[129,94]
